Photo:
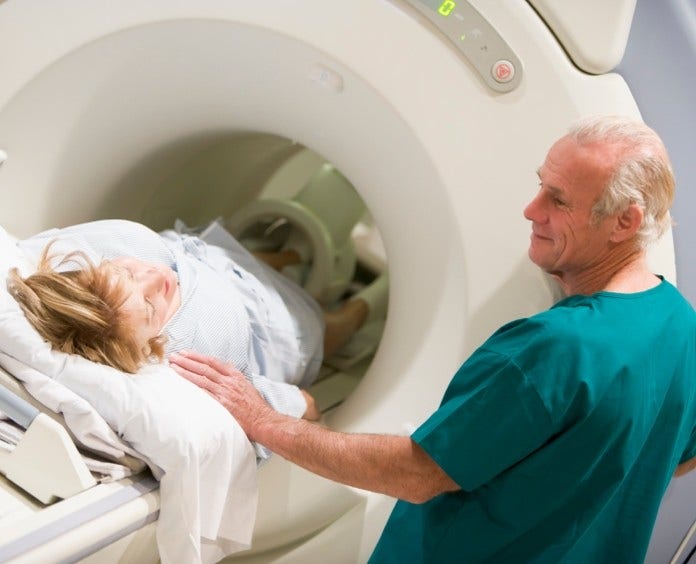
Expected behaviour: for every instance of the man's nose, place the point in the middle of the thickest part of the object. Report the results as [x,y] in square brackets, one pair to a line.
[533,211]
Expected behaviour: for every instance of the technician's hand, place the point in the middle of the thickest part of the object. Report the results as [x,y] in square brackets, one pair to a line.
[226,384]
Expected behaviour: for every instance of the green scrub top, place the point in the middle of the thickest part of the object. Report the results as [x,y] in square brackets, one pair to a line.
[563,431]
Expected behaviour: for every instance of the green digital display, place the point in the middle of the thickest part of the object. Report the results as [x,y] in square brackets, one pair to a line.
[446,7]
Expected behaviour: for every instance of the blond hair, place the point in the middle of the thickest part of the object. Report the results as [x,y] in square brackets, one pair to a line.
[79,311]
[642,174]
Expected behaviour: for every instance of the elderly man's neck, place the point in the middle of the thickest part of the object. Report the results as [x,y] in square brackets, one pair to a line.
[624,271]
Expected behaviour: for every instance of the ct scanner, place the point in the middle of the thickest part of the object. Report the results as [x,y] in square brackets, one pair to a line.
[438,113]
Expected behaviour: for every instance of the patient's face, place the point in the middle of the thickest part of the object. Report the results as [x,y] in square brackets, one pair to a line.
[153,293]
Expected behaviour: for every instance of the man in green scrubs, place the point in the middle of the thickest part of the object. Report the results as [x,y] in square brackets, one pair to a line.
[556,439]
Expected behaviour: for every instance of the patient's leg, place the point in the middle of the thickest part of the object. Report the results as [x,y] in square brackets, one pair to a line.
[342,323]
[279,259]
[369,304]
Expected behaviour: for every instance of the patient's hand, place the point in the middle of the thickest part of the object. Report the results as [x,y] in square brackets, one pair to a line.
[312,413]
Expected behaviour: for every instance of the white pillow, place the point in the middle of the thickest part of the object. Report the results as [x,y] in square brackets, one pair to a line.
[25,350]
[206,465]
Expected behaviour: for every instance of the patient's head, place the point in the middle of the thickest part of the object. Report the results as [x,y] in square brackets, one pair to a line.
[152,291]
[81,311]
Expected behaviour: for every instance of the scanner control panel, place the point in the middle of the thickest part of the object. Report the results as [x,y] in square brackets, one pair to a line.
[476,39]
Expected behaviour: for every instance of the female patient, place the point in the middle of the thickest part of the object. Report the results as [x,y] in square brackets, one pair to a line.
[130,294]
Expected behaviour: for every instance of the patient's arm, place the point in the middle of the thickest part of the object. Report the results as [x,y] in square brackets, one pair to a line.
[392,465]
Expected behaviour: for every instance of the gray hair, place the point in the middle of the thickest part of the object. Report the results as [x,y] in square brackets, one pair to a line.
[642,173]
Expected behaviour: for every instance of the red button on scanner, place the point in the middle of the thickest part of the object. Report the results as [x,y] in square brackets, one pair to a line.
[503,71]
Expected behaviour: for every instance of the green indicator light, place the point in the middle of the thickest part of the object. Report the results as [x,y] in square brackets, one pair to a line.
[462,37]
[446,7]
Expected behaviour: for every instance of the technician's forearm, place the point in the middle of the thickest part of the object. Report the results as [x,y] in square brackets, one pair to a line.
[393,465]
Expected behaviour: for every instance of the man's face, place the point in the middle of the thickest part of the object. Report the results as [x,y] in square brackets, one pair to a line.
[564,240]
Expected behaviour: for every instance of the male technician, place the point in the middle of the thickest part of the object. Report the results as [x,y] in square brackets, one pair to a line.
[556,439]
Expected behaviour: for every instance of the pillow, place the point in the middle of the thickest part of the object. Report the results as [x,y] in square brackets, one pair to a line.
[205,463]
[19,342]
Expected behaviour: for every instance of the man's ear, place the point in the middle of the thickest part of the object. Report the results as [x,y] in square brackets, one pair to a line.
[627,223]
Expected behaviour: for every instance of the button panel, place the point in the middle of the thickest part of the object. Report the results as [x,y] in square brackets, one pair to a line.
[475,38]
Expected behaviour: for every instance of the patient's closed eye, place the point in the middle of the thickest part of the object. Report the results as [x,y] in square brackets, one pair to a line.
[150,310]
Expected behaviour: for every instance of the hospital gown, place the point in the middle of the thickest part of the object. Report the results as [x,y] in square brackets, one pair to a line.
[232,307]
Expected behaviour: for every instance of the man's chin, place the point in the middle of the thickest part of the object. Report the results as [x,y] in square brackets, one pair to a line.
[534,257]
[541,262]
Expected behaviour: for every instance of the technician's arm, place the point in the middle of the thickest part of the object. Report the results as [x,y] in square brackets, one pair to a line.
[387,464]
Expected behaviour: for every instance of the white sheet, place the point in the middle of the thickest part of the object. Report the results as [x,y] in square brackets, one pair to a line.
[205,464]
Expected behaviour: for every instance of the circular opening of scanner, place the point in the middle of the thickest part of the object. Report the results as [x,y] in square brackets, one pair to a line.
[188,118]
[274,194]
